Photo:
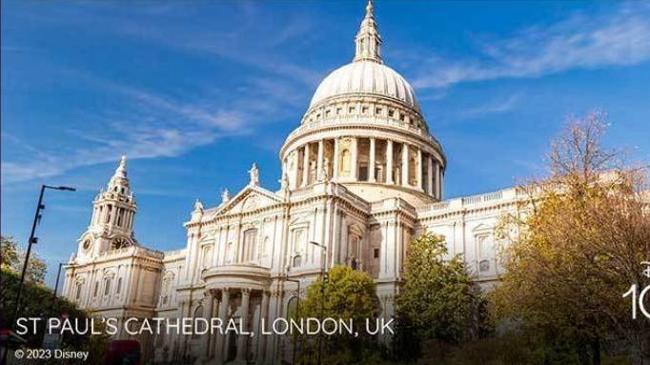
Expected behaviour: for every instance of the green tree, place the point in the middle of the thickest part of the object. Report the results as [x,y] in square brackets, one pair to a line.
[346,294]
[39,301]
[437,300]
[574,247]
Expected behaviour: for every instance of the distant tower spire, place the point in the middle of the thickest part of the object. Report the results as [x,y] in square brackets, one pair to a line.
[119,178]
[114,209]
[368,40]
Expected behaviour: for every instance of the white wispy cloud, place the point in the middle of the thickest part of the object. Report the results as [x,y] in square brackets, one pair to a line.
[148,124]
[492,107]
[620,37]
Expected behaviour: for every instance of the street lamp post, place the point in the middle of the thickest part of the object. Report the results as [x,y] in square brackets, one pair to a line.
[323,273]
[32,240]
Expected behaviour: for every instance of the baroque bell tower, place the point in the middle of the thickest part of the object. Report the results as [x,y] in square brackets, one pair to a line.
[111,225]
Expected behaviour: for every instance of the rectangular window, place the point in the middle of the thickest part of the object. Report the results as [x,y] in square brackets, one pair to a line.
[96,289]
[363,173]
[376,253]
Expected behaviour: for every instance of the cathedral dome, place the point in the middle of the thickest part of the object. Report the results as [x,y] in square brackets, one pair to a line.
[364,129]
[365,77]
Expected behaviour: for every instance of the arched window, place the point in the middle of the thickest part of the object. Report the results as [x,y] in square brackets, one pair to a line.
[78,294]
[229,252]
[292,307]
[108,214]
[207,255]
[119,286]
[299,242]
[107,286]
[250,245]
[200,326]
[297,261]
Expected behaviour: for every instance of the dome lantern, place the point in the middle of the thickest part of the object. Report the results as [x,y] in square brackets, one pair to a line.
[368,40]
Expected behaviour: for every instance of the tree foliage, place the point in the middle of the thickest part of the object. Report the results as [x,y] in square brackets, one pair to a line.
[438,299]
[39,301]
[345,294]
[575,246]
[13,258]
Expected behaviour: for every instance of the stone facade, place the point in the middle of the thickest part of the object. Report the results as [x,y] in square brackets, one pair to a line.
[361,177]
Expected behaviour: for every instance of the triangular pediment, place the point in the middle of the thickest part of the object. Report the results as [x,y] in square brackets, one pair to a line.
[250,198]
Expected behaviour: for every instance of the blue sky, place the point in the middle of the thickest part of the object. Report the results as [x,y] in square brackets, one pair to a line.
[194,92]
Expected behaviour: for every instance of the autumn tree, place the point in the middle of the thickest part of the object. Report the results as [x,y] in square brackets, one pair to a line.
[575,246]
[12,258]
[438,300]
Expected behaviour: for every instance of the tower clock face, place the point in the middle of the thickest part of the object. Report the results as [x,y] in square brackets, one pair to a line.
[119,243]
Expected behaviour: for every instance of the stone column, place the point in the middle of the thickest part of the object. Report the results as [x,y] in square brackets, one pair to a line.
[438,183]
[272,341]
[319,162]
[296,161]
[371,161]
[263,339]
[237,257]
[430,176]
[305,166]
[405,164]
[389,162]
[355,158]
[441,179]
[418,166]
[335,158]
[113,215]
[241,341]
[207,314]
[220,353]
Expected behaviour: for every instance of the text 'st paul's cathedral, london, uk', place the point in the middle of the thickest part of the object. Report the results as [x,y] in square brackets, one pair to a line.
[361,177]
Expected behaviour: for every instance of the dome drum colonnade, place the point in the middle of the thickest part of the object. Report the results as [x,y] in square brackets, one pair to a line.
[364,126]
[319,152]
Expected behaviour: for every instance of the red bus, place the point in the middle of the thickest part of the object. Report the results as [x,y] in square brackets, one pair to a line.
[123,352]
